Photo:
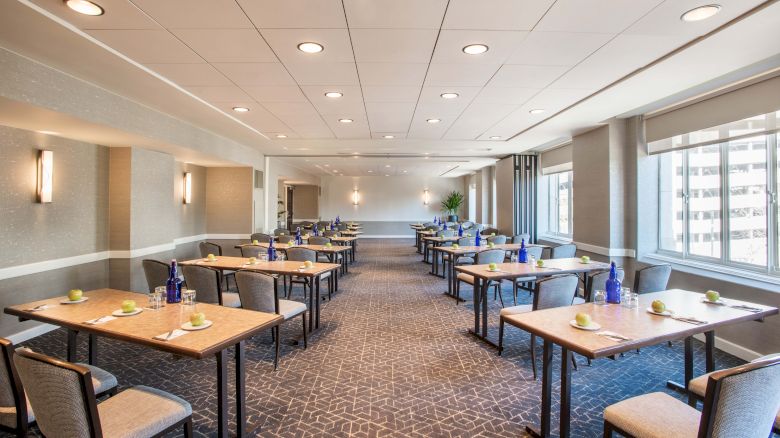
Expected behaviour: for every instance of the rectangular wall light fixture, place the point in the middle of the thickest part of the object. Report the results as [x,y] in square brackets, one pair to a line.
[426,197]
[45,180]
[187,187]
[355,197]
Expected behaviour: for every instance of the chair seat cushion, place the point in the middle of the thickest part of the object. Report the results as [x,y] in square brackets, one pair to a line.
[141,412]
[289,309]
[464,260]
[654,415]
[525,279]
[514,310]
[102,380]
[578,300]
[466,277]
[8,415]
[231,299]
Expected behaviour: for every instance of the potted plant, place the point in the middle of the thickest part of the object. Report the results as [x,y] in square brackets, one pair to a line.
[451,205]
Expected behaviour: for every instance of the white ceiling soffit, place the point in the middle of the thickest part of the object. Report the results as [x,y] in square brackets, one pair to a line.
[390,165]
[390,59]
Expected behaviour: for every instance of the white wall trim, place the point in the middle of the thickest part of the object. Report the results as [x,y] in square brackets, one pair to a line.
[386,236]
[32,332]
[732,348]
[189,239]
[609,252]
[228,236]
[140,252]
[717,272]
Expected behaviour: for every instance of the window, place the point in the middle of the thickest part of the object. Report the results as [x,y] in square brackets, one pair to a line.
[718,197]
[559,218]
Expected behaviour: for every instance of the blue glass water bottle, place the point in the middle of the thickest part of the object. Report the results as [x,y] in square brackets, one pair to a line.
[478,240]
[173,285]
[338,220]
[613,286]
[522,253]
[436,220]
[298,238]
[460,230]
[314,230]
[271,251]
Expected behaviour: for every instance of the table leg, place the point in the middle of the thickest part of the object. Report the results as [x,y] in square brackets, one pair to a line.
[434,263]
[93,349]
[565,418]
[484,298]
[72,345]
[476,304]
[547,357]
[311,309]
[317,288]
[709,347]
[240,390]
[222,394]
[683,387]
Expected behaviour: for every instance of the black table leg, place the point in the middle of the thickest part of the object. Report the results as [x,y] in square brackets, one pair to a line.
[317,288]
[434,262]
[565,419]
[72,345]
[547,357]
[476,304]
[240,390]
[683,387]
[311,309]
[222,394]
[484,298]
[709,347]
[93,349]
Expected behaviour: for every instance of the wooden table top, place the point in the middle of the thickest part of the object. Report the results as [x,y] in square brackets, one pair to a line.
[473,249]
[284,247]
[350,233]
[286,267]
[344,238]
[516,270]
[441,238]
[229,325]
[641,327]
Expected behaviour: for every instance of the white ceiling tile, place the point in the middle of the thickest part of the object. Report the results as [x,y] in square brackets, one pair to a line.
[501,44]
[256,74]
[421,129]
[295,14]
[555,99]
[526,76]
[391,74]
[380,135]
[318,130]
[221,94]
[119,14]
[506,95]
[390,116]
[476,119]
[258,117]
[460,74]
[396,14]
[350,105]
[440,110]
[337,47]
[376,93]
[148,46]
[276,93]
[495,14]
[191,74]
[227,45]
[598,16]
[357,129]
[393,45]
[557,48]
[286,110]
[341,73]
[432,94]
[196,14]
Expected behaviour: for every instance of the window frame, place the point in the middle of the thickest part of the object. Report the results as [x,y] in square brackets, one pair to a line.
[553,220]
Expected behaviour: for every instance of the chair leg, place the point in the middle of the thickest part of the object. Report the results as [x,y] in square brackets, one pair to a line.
[305,336]
[457,292]
[188,428]
[533,354]
[607,429]
[514,291]
[276,355]
[574,362]
[500,335]
[498,291]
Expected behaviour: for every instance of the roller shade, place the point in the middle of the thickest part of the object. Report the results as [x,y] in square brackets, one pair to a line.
[557,160]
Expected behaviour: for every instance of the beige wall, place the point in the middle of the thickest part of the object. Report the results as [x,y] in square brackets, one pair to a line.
[590,155]
[229,200]
[306,201]
[505,195]
[192,216]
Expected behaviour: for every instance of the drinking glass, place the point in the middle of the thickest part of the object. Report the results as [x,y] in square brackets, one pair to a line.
[280,257]
[532,260]
[633,300]
[600,298]
[154,299]
[513,258]
[263,256]
[625,297]
[188,305]
[162,294]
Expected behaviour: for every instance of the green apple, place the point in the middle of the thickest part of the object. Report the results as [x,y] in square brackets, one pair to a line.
[211,257]
[455,246]
[255,242]
[585,259]
[492,234]
[492,266]
[658,306]
[308,263]
[252,260]
[540,263]
[128,306]
[491,244]
[712,295]
[328,244]
[197,319]
[75,294]
[291,243]
[583,319]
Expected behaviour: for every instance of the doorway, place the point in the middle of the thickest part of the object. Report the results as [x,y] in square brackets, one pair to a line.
[290,212]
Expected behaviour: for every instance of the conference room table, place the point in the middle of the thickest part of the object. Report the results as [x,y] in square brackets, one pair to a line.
[639,328]
[350,241]
[331,252]
[285,268]
[419,234]
[483,277]
[435,241]
[230,329]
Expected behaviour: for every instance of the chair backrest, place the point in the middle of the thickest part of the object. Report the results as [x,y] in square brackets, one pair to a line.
[466,241]
[287,238]
[521,237]
[432,228]
[322,224]
[319,240]
[451,225]
[11,392]
[446,233]
[252,251]
[330,233]
[207,248]
[306,224]
[156,273]
[652,278]
[598,281]
[489,231]
[490,256]
[260,237]
[301,254]
[257,291]
[555,291]
[467,225]
[342,226]
[534,251]
[564,251]
[498,240]
[280,231]
[742,401]
[205,281]
[427,224]
[61,394]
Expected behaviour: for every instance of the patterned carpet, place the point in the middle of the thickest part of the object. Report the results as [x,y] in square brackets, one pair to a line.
[392,358]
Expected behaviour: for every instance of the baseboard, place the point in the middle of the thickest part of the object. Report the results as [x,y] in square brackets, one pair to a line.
[32,332]
[732,348]
[386,236]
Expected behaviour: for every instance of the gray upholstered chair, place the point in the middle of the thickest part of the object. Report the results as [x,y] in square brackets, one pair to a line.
[318,240]
[555,291]
[287,238]
[207,248]
[330,233]
[323,224]
[63,397]
[738,402]
[499,239]
[298,254]
[306,225]
[253,251]
[521,237]
[467,225]
[451,225]
[258,292]
[527,283]
[598,281]
[482,258]
[489,231]
[467,258]
[16,415]
[342,226]
[652,278]
[432,228]
[260,237]
[281,232]
[156,273]
[565,251]
[697,388]
[206,283]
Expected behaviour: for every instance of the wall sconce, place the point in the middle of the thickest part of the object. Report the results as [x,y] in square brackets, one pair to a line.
[187,187]
[355,197]
[426,197]
[45,181]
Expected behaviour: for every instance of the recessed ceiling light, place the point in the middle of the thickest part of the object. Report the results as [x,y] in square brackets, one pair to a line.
[536,111]
[427,157]
[495,137]
[449,95]
[355,156]
[327,165]
[303,149]
[240,109]
[370,171]
[387,165]
[281,136]
[310,47]
[388,136]
[346,120]
[404,171]
[85,7]
[387,175]
[475,49]
[700,13]
[433,120]
[49,132]
[334,94]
